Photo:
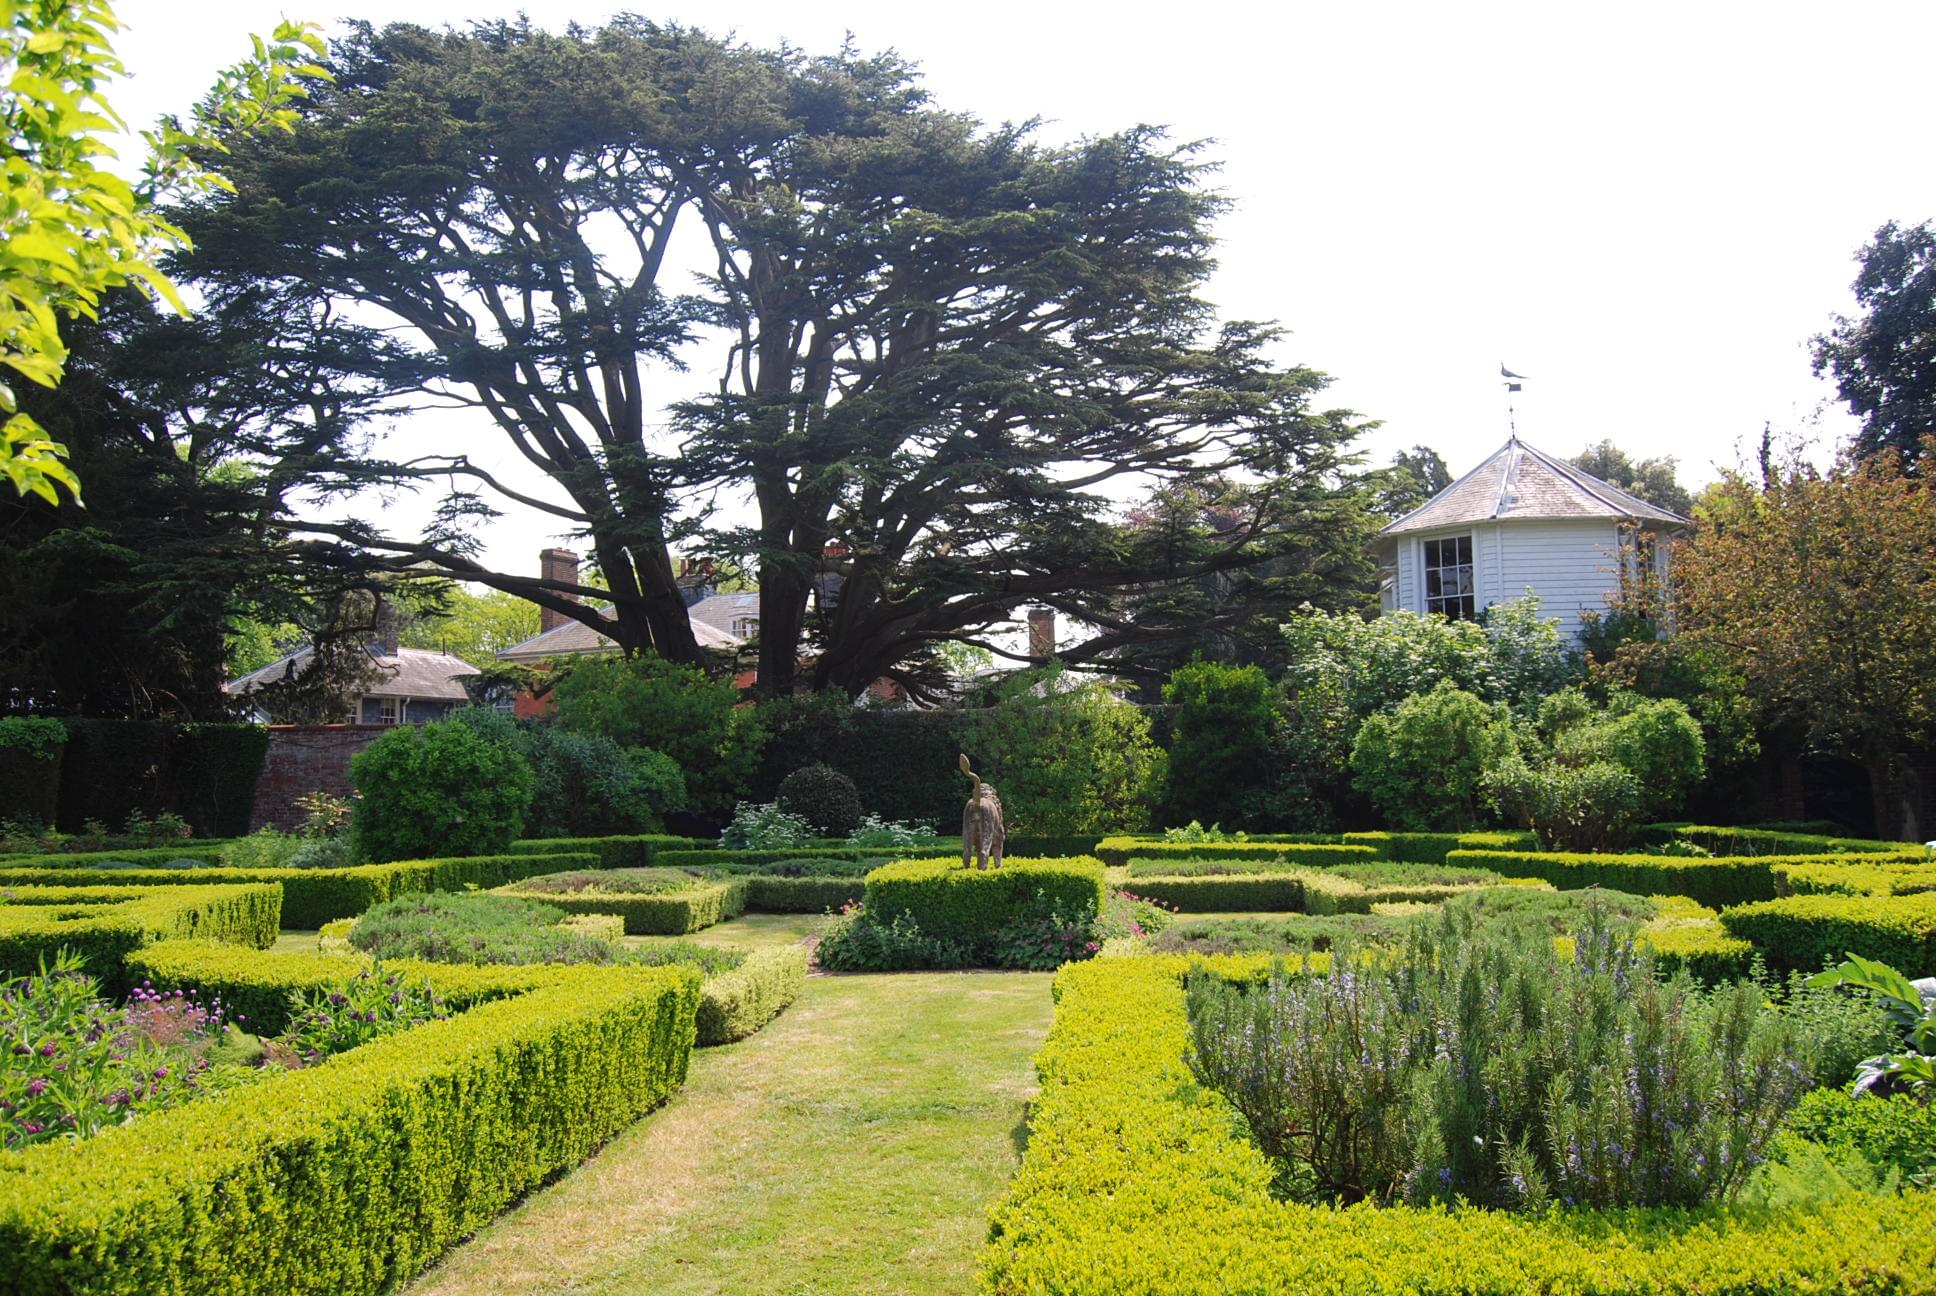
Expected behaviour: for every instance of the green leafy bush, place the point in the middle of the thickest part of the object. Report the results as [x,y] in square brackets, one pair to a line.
[968,907]
[875,833]
[764,826]
[438,789]
[444,928]
[1067,757]
[1423,764]
[584,784]
[1897,1132]
[263,848]
[680,711]
[855,941]
[1657,742]
[350,1012]
[820,795]
[1117,851]
[30,767]
[105,924]
[663,913]
[1289,934]
[1219,740]
[1582,808]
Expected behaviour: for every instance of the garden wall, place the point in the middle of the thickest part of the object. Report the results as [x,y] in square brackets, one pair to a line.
[304,759]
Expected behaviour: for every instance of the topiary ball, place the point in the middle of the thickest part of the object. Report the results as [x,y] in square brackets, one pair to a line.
[824,797]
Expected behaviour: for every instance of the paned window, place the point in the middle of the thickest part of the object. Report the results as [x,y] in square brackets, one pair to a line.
[1449,588]
[389,711]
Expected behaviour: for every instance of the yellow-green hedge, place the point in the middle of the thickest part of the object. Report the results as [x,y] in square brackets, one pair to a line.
[1804,932]
[1116,851]
[1854,879]
[349,1177]
[1685,934]
[105,925]
[967,906]
[732,1005]
[630,850]
[662,913]
[1716,882]
[1137,1180]
[312,897]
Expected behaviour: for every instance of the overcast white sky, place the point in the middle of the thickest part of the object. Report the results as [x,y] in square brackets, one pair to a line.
[1647,208]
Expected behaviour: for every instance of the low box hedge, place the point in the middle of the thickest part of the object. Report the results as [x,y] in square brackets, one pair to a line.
[1684,934]
[205,851]
[1854,879]
[1137,1179]
[808,895]
[732,1005]
[658,913]
[636,850]
[967,906]
[753,861]
[350,1177]
[1716,882]
[1805,932]
[106,925]
[312,897]
[1432,848]
[1225,893]
[1762,841]
[1119,850]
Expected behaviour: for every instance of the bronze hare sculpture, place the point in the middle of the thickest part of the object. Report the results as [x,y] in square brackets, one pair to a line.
[982,834]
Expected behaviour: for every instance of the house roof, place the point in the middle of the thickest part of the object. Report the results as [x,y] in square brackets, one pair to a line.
[412,673]
[1519,482]
[720,611]
[575,638]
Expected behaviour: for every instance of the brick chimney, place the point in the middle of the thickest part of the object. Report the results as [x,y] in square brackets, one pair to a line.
[556,565]
[1041,624]
[385,641]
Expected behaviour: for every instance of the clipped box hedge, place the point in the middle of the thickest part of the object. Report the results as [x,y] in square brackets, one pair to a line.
[753,861]
[661,913]
[350,1177]
[1432,848]
[205,851]
[1804,932]
[1763,841]
[1137,1179]
[634,850]
[1116,851]
[1225,893]
[808,895]
[732,1005]
[1716,882]
[968,906]
[106,925]
[1684,934]
[1854,879]
[312,897]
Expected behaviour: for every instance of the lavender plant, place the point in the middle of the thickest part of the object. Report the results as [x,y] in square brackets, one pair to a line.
[1477,1064]
[354,1010]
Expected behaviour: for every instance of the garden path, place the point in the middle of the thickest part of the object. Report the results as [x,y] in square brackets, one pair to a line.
[851,1148]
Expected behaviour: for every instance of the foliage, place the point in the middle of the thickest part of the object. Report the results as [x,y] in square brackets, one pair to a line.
[324,815]
[673,911]
[1279,934]
[650,702]
[1041,936]
[822,796]
[1590,807]
[73,230]
[1196,832]
[442,928]
[105,924]
[30,766]
[1487,1068]
[400,1162]
[1911,1007]
[1838,1031]
[345,1014]
[472,626]
[1423,764]
[875,833]
[764,827]
[72,1064]
[1657,742]
[1066,757]
[738,1001]
[1805,932]
[1897,1132]
[855,941]
[583,784]
[1884,360]
[438,789]
[1415,476]
[1218,739]
[1650,479]
[1126,915]
[621,881]
[1815,589]
[261,849]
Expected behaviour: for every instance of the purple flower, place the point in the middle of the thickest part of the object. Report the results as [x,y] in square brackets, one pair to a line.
[36,1087]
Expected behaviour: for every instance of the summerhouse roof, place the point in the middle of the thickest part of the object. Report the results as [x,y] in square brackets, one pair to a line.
[1519,482]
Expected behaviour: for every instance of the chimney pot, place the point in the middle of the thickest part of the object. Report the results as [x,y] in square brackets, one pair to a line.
[1041,632]
[556,565]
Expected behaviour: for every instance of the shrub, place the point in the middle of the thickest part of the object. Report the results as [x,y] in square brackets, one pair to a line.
[263,848]
[1041,936]
[1189,1210]
[1067,757]
[1218,741]
[802,894]
[1290,934]
[353,1176]
[764,827]
[820,795]
[855,941]
[30,767]
[1657,742]
[1807,932]
[1896,1132]
[438,789]
[443,928]
[1715,882]
[1117,851]
[1591,807]
[1423,764]
[207,773]
[967,907]
[350,1012]
[630,850]
[584,784]
[105,924]
[648,702]
[667,913]
[875,833]
[734,1004]
[1251,892]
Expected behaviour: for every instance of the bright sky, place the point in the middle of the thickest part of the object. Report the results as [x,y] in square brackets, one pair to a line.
[1646,208]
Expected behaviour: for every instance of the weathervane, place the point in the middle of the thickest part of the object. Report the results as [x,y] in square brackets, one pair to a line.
[1512,385]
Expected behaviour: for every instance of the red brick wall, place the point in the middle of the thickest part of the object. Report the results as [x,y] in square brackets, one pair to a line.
[304,759]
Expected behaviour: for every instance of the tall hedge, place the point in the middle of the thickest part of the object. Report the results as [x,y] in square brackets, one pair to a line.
[31,748]
[205,773]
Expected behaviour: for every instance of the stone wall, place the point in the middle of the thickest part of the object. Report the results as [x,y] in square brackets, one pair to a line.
[304,759]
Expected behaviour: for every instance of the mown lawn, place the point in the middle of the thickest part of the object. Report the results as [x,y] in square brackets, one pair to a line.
[851,1147]
[749,932]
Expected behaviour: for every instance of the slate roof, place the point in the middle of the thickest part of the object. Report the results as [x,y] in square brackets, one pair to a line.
[1519,482]
[412,673]
[575,638]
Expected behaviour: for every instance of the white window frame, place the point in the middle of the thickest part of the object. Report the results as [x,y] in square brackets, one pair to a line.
[1466,567]
[389,711]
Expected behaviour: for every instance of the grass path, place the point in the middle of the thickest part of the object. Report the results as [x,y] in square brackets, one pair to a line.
[849,1149]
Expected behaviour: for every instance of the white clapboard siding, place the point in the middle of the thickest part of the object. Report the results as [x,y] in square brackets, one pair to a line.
[1570,564]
